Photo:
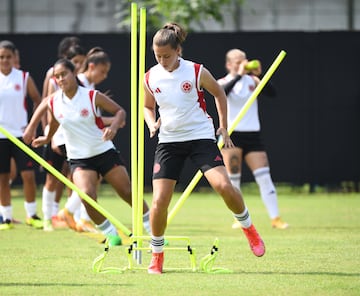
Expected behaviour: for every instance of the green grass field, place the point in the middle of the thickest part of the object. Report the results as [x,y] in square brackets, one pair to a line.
[318,255]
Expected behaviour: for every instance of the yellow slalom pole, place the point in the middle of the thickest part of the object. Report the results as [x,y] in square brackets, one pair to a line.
[66,181]
[238,118]
[142,49]
[133,76]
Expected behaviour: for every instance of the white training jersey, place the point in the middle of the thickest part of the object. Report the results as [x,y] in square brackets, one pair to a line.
[182,107]
[236,100]
[13,112]
[58,138]
[85,82]
[82,126]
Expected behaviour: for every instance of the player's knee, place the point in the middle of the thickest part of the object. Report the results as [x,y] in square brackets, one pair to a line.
[224,188]
[28,176]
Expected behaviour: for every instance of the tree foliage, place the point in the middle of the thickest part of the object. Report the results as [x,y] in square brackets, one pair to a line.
[184,12]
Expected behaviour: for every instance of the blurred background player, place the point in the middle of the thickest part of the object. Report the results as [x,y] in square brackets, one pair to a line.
[239,84]
[83,127]
[94,69]
[15,85]
[55,152]
[88,143]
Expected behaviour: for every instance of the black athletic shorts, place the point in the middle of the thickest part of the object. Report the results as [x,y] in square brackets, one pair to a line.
[7,150]
[170,157]
[248,141]
[53,158]
[101,163]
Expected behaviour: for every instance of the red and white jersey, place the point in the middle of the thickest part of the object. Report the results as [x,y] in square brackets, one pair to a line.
[13,112]
[82,126]
[85,82]
[182,107]
[236,100]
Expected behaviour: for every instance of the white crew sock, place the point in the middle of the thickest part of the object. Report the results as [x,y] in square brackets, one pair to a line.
[107,228]
[267,191]
[30,208]
[235,180]
[48,199]
[146,222]
[157,244]
[83,213]
[55,208]
[76,214]
[73,202]
[244,218]
[6,212]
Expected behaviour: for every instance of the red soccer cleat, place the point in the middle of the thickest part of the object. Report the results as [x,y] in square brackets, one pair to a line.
[156,265]
[256,243]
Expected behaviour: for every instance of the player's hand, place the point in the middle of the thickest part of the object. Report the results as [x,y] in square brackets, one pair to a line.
[108,134]
[154,128]
[40,141]
[225,137]
[242,70]
[28,135]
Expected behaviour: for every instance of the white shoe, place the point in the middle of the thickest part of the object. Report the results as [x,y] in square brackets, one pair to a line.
[48,226]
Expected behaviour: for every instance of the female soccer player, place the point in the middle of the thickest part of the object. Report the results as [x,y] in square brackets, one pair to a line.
[239,84]
[88,143]
[15,85]
[186,131]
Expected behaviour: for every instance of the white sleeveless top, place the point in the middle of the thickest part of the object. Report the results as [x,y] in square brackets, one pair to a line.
[85,81]
[58,138]
[182,107]
[13,112]
[237,98]
[82,126]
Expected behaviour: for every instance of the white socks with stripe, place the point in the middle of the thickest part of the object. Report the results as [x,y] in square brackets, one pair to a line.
[107,228]
[267,191]
[244,218]
[157,244]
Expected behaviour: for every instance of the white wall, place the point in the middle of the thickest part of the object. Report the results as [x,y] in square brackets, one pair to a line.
[96,16]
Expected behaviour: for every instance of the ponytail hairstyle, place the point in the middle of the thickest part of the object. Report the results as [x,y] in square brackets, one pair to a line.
[96,55]
[170,34]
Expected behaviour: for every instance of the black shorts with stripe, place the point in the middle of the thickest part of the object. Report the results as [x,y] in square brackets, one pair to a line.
[170,157]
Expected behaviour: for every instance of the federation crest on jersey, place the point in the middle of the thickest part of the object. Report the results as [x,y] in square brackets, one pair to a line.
[17,87]
[186,86]
[84,112]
